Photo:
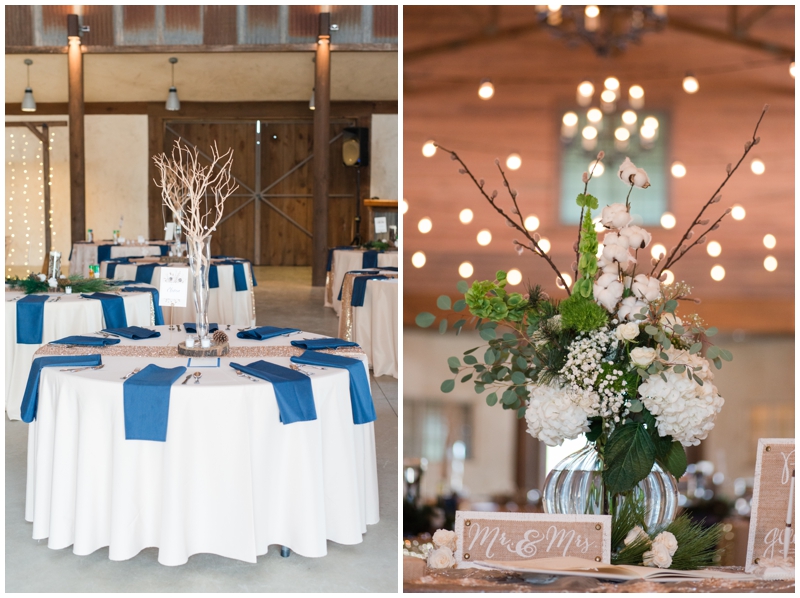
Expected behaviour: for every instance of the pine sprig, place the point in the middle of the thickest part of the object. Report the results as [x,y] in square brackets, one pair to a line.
[697,545]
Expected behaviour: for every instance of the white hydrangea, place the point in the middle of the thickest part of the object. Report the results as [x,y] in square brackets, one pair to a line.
[553,417]
[683,409]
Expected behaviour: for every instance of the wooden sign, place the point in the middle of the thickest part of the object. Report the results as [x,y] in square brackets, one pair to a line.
[174,287]
[484,537]
[772,509]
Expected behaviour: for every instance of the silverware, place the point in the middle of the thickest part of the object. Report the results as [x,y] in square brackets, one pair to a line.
[133,373]
[291,333]
[229,327]
[197,376]
[179,327]
[297,369]
[243,375]
[185,380]
[88,367]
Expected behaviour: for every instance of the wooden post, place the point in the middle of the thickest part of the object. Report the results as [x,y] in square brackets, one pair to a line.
[77,162]
[322,152]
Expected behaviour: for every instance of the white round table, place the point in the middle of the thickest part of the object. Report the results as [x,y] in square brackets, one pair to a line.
[345,261]
[230,479]
[375,326]
[70,315]
[84,254]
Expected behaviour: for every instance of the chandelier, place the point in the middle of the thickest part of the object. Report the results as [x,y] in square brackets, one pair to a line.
[607,29]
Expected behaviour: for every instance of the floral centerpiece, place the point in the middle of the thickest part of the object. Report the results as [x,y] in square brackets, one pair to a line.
[616,361]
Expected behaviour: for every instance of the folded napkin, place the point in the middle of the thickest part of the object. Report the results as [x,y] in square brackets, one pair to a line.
[265,332]
[371,274]
[239,278]
[370,259]
[146,402]
[104,252]
[323,343]
[234,260]
[213,277]
[113,309]
[30,400]
[111,265]
[135,333]
[360,394]
[164,249]
[292,389]
[86,341]
[330,255]
[144,272]
[192,327]
[360,289]
[159,315]
[30,319]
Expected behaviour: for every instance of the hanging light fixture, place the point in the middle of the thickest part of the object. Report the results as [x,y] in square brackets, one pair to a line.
[173,103]
[28,103]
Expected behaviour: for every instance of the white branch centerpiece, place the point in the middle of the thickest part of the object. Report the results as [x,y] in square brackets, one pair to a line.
[613,361]
[196,195]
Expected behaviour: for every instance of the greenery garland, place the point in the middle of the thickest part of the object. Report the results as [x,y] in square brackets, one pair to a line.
[34,284]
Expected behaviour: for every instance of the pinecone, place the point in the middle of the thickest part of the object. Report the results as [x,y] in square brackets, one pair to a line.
[219,337]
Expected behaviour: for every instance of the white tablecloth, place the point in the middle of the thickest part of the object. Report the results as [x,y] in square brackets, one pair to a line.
[225,303]
[65,317]
[229,480]
[375,326]
[344,261]
[84,254]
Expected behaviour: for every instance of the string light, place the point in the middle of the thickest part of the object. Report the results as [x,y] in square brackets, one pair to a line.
[465,270]
[594,115]
[429,149]
[404,206]
[690,85]
[678,170]
[670,278]
[585,93]
[770,263]
[465,216]
[737,212]
[567,278]
[658,250]
[484,237]
[668,221]
[514,277]
[425,225]
[514,161]
[757,166]
[714,249]
[717,272]
[486,89]
[769,241]
[544,244]
[636,97]
[531,223]
[596,168]
[629,117]
[418,259]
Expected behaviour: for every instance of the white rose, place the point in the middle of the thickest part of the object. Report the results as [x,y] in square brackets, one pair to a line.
[657,556]
[638,238]
[627,331]
[608,290]
[668,540]
[52,283]
[444,538]
[42,277]
[643,356]
[646,287]
[442,558]
[615,216]
[633,535]
[630,307]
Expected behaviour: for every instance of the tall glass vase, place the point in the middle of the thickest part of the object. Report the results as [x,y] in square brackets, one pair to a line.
[199,263]
[575,486]
[176,247]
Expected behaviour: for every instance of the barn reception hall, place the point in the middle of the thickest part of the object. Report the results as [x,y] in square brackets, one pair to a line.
[201,241]
[639,337]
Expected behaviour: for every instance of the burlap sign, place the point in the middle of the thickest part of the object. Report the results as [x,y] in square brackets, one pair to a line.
[484,537]
[772,515]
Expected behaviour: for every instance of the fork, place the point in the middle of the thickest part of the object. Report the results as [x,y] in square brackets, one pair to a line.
[297,369]
[134,372]
[243,375]
[89,367]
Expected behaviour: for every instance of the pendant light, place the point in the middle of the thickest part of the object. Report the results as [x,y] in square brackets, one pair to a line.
[173,103]
[28,103]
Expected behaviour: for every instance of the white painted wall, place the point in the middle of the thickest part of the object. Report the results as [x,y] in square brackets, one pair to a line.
[383,157]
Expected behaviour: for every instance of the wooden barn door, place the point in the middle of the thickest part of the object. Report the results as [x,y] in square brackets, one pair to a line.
[269,218]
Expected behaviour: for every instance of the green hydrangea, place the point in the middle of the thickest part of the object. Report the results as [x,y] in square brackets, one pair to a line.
[490,301]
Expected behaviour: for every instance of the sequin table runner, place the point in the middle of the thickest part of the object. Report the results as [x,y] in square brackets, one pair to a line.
[346,317]
[161,351]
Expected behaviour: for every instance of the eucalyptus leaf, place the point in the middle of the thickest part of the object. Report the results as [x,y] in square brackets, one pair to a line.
[678,369]
[425,319]
[639,317]
[444,302]
[462,286]
[466,378]
[470,359]
[459,305]
[453,362]
[636,406]
[509,397]
[671,306]
[726,355]
[491,399]
[651,330]
[470,351]
[490,356]
[711,331]
[518,378]
[695,348]
[443,327]
[448,385]
[488,334]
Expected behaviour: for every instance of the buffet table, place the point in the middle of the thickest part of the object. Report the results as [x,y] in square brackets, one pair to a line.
[346,260]
[230,479]
[226,304]
[70,314]
[373,325]
[84,254]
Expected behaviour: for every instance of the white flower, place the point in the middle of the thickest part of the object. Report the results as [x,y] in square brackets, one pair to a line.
[441,558]
[444,538]
[42,277]
[641,179]
[608,290]
[657,556]
[629,174]
[668,321]
[52,283]
[615,216]
[552,417]
[646,287]
[667,539]
[638,238]
[643,356]
[683,408]
[633,535]
[630,307]
[615,249]
[627,331]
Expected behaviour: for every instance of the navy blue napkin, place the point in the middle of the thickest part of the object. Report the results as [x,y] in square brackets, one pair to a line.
[192,327]
[111,265]
[164,249]
[360,288]
[87,341]
[360,394]
[292,389]
[144,272]
[113,309]
[30,400]
[239,278]
[146,402]
[265,332]
[369,274]
[213,277]
[330,255]
[234,260]
[30,319]
[104,253]
[389,268]
[370,259]
[159,314]
[323,343]
[135,333]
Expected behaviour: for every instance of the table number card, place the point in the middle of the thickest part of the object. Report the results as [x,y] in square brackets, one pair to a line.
[380,224]
[772,516]
[174,287]
[484,537]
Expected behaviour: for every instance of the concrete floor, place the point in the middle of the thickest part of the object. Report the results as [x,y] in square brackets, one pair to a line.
[284,297]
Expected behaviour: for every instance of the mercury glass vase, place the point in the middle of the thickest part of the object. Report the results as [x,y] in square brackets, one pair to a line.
[199,263]
[575,486]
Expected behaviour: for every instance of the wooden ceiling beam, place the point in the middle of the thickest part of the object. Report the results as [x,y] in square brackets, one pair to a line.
[479,38]
[725,36]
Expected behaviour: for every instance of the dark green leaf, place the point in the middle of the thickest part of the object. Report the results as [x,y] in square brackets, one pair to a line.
[518,378]
[479,388]
[651,330]
[675,460]
[425,319]
[671,306]
[695,348]
[678,369]
[443,327]
[718,363]
[522,363]
[491,399]
[712,352]
[698,380]
[501,373]
[663,356]
[509,338]
[629,456]
[639,317]
[448,385]
[521,412]
[459,305]
[453,370]
[490,356]
[471,350]
[459,324]
[467,378]
[509,397]
[444,302]
[470,359]
[595,428]
[462,286]
[453,362]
